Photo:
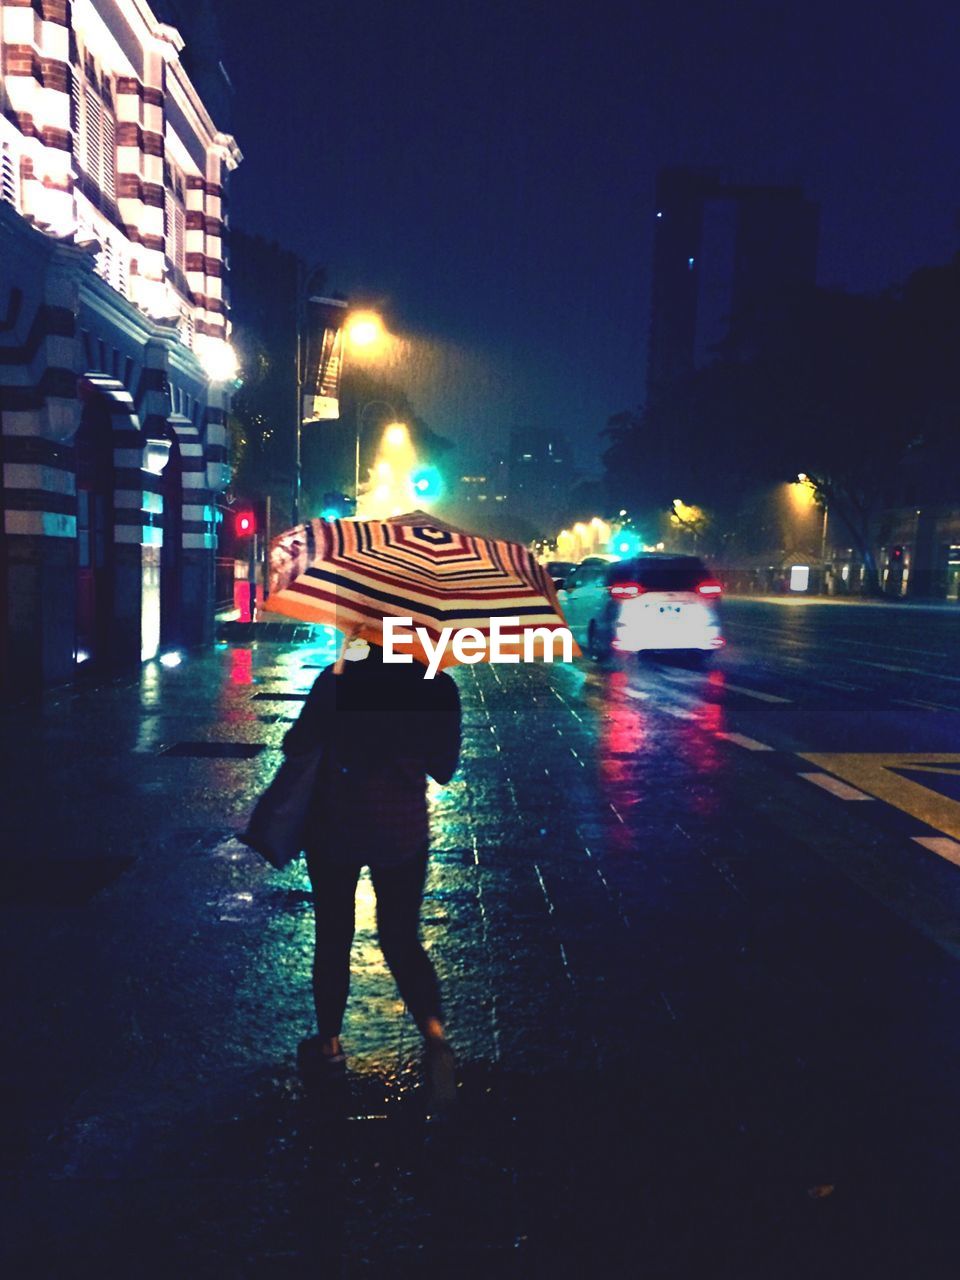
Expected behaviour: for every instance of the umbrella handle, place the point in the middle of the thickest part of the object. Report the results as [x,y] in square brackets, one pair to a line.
[341,656]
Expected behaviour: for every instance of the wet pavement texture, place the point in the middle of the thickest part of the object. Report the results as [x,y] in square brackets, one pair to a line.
[705,1013]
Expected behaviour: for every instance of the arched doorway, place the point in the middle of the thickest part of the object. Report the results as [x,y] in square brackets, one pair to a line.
[171,556]
[95,542]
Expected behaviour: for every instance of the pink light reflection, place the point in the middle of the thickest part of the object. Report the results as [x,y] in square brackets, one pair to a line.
[241,666]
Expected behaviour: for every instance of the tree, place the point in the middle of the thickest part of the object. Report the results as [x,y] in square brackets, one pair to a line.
[844,388]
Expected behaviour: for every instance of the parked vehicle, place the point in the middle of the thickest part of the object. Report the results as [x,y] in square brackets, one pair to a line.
[584,588]
[558,570]
[654,602]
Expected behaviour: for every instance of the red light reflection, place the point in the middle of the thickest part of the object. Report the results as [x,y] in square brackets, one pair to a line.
[241,666]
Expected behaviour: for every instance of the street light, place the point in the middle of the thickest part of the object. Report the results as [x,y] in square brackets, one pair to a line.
[218,358]
[816,492]
[396,433]
[365,330]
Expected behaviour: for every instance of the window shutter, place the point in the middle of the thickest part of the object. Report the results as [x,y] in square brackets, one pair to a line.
[181,235]
[9,187]
[93,113]
[168,225]
[76,119]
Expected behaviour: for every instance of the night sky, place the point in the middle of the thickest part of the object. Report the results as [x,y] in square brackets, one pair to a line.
[486,171]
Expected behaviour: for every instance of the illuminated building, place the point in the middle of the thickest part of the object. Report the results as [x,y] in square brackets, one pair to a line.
[114,332]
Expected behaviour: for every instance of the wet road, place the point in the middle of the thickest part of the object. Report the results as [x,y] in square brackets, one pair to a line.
[703,988]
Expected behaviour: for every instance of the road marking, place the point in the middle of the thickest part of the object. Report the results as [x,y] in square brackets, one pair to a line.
[678,713]
[943,846]
[835,786]
[842,684]
[754,693]
[637,693]
[913,671]
[924,706]
[857,643]
[876,774]
[741,740]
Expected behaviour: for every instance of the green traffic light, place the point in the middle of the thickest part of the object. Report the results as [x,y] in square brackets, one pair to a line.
[627,543]
[426,483]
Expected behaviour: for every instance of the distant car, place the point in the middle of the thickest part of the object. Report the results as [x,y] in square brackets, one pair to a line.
[558,570]
[654,602]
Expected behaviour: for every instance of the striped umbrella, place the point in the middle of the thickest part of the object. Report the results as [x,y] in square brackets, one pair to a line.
[352,574]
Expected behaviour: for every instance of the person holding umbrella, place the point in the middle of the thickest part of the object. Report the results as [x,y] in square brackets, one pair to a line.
[382,729]
[385,726]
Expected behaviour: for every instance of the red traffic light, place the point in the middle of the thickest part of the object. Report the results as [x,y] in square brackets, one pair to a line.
[245,524]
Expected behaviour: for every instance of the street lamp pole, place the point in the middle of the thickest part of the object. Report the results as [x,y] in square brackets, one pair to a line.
[308,279]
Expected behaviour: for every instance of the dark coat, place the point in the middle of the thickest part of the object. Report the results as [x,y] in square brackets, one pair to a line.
[384,728]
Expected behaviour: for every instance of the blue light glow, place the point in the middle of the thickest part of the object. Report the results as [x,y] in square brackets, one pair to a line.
[426,483]
[626,543]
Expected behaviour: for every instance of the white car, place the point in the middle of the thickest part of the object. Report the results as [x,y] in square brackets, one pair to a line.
[653,602]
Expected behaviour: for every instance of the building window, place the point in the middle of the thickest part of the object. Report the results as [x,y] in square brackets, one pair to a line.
[94,132]
[174,217]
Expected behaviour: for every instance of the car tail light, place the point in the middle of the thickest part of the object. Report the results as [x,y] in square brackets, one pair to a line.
[625,590]
[711,588]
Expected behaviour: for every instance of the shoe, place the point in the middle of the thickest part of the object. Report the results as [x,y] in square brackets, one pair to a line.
[315,1066]
[439,1068]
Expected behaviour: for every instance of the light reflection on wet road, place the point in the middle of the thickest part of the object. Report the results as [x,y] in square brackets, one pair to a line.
[634,895]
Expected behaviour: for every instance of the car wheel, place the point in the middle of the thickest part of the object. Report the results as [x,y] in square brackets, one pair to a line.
[596,648]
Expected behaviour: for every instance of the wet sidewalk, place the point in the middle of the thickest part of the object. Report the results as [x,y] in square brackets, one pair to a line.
[679,1055]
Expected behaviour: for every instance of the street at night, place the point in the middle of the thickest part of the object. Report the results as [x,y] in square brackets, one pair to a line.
[697,934]
[479,640]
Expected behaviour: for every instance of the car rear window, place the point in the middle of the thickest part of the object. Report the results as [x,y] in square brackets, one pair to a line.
[682,573]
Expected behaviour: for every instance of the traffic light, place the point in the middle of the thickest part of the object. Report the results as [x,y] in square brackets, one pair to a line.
[896,554]
[625,543]
[245,524]
[426,484]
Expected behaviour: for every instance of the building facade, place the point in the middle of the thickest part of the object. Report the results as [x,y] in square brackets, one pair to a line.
[722,253]
[115,362]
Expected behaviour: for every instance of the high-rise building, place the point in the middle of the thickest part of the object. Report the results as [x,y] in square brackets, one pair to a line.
[723,254]
[540,475]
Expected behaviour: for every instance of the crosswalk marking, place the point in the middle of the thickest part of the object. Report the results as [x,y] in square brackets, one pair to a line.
[741,740]
[879,774]
[943,846]
[755,693]
[835,786]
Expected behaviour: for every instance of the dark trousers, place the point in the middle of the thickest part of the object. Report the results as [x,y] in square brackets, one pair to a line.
[399,891]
